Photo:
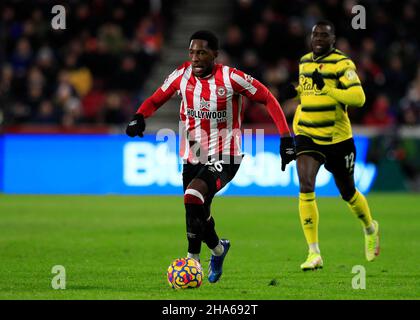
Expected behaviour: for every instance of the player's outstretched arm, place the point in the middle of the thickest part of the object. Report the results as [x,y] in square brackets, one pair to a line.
[287,142]
[137,125]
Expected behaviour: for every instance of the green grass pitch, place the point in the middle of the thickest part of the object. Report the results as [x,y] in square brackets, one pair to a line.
[119,247]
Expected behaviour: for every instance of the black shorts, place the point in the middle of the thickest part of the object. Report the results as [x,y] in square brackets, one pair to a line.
[216,173]
[339,158]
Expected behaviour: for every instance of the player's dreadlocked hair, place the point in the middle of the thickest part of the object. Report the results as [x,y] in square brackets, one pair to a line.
[213,42]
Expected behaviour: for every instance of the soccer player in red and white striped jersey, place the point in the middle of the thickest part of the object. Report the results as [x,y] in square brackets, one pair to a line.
[211,113]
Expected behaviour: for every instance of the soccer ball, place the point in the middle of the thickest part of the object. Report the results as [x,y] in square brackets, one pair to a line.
[184,273]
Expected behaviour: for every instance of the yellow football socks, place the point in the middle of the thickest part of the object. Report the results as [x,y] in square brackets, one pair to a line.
[309,217]
[359,206]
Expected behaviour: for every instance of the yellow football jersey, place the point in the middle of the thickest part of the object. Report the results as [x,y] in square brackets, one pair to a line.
[320,116]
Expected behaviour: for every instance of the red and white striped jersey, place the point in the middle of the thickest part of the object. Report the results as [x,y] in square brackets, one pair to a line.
[211,108]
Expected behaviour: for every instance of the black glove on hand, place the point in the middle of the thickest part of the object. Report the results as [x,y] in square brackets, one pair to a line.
[287,92]
[136,126]
[317,79]
[287,151]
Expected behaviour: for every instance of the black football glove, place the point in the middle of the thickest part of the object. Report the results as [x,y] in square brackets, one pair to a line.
[317,79]
[136,126]
[287,151]
[287,92]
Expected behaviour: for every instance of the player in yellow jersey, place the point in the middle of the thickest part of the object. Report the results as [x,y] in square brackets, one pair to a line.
[328,86]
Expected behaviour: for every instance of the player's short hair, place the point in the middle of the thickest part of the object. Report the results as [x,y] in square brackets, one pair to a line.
[326,23]
[210,37]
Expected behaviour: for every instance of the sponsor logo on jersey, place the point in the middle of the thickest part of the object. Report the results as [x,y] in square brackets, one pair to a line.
[210,115]
[351,75]
[204,104]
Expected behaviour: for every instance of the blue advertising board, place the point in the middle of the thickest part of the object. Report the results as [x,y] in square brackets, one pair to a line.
[116,164]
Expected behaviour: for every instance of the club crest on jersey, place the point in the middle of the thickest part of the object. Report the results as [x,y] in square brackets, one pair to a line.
[221,92]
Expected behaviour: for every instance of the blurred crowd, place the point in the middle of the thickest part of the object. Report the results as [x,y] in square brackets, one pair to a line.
[266,38]
[94,71]
[90,72]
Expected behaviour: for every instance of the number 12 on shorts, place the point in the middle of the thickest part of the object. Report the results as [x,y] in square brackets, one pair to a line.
[349,161]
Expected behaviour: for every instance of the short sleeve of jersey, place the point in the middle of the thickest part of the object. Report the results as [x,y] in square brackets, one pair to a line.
[173,79]
[243,83]
[346,73]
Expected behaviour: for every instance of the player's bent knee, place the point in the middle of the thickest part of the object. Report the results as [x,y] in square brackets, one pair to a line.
[200,185]
[346,195]
[192,196]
